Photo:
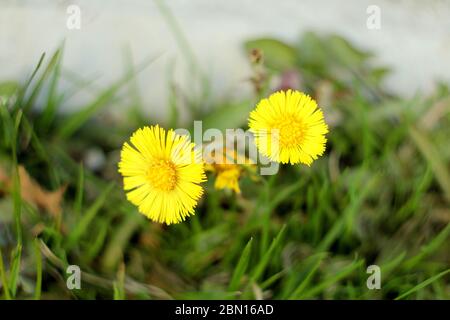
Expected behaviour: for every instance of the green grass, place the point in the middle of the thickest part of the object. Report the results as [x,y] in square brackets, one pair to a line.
[380,195]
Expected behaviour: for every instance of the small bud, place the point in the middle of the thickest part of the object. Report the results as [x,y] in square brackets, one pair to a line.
[256,56]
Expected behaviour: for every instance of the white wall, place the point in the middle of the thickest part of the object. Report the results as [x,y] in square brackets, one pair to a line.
[414,38]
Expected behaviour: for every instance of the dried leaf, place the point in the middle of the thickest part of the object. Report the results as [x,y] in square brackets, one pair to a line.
[33,193]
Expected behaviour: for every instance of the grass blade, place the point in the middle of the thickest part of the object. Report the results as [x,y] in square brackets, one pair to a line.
[49,112]
[259,270]
[429,248]
[241,267]
[84,222]
[15,269]
[80,190]
[38,256]
[7,126]
[37,88]
[119,284]
[17,199]
[73,123]
[23,90]
[429,152]
[357,199]
[318,288]
[297,294]
[423,284]
[181,40]
[3,278]
[115,249]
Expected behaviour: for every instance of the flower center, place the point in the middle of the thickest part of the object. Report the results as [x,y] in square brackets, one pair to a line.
[162,175]
[291,131]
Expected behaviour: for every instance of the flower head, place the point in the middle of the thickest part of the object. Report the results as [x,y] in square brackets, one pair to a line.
[229,166]
[162,174]
[289,128]
[228,176]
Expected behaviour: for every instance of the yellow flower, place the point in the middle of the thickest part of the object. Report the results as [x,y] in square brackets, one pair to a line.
[162,174]
[289,128]
[227,176]
[228,166]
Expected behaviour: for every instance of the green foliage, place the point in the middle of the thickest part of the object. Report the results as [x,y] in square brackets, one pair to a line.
[277,54]
[380,195]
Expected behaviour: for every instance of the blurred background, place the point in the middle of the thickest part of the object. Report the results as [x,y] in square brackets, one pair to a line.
[413,40]
[379,195]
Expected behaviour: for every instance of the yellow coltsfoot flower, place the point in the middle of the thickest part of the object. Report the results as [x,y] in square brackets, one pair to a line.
[229,167]
[162,174]
[227,176]
[289,128]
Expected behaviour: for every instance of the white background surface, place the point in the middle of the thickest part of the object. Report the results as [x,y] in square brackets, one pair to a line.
[414,39]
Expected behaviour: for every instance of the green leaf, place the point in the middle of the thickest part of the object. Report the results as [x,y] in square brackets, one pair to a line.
[78,119]
[119,284]
[116,246]
[38,257]
[40,82]
[97,244]
[3,278]
[429,248]
[17,199]
[357,197]
[7,125]
[312,53]
[8,89]
[78,204]
[262,264]
[241,267]
[53,99]
[328,282]
[423,284]
[228,116]
[297,294]
[23,89]
[378,74]
[426,147]
[277,55]
[15,268]
[83,225]
[345,52]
